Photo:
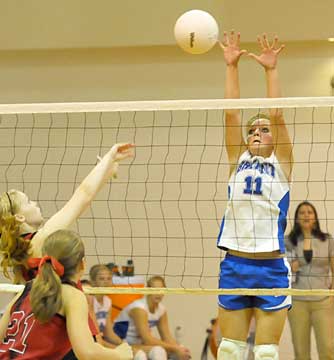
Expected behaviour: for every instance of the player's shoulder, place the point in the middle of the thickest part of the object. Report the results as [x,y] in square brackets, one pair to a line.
[139,302]
[138,305]
[72,295]
[70,289]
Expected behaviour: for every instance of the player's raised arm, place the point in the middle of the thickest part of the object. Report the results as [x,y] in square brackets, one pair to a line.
[268,58]
[84,194]
[234,140]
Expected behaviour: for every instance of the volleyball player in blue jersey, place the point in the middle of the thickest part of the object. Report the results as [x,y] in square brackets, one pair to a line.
[252,230]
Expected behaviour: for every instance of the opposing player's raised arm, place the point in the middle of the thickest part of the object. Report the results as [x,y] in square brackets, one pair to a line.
[234,140]
[268,58]
[84,194]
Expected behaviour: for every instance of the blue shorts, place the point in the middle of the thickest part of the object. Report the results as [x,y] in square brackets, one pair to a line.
[237,273]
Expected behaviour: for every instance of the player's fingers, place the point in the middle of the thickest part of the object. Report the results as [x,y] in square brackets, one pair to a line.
[232,36]
[226,40]
[238,38]
[259,41]
[265,41]
[124,147]
[221,44]
[280,49]
[252,56]
[275,42]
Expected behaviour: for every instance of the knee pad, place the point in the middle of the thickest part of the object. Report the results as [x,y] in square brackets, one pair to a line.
[140,355]
[157,353]
[266,352]
[231,349]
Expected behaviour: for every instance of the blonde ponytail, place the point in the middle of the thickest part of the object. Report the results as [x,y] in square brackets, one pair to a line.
[67,248]
[45,294]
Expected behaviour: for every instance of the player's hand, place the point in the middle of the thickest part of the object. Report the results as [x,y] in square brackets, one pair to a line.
[231,48]
[117,153]
[124,351]
[269,52]
[183,353]
[120,152]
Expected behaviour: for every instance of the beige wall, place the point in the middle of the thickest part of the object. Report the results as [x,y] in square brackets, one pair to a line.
[164,72]
[159,72]
[42,24]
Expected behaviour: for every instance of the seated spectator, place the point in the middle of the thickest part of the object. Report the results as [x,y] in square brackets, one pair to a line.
[101,305]
[135,322]
[101,311]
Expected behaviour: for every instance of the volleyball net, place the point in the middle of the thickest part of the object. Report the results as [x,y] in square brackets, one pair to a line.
[165,208]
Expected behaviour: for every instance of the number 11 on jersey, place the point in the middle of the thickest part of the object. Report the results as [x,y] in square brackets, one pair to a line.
[253,185]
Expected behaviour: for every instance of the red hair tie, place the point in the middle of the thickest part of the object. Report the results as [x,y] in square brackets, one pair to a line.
[57,266]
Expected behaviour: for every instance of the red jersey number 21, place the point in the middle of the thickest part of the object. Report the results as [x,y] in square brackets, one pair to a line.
[18,331]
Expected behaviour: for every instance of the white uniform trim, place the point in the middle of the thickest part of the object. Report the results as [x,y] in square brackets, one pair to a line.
[288,299]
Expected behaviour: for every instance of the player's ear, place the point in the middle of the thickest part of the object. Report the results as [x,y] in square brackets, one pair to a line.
[82,264]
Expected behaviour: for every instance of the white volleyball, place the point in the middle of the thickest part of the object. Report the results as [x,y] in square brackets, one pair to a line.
[196,31]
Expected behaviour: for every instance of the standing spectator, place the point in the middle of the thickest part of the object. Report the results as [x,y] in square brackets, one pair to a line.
[312,257]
